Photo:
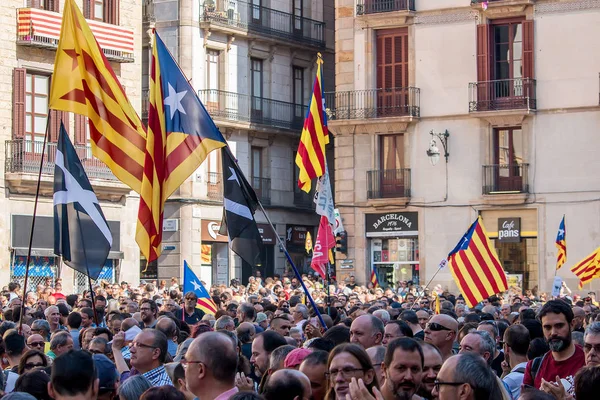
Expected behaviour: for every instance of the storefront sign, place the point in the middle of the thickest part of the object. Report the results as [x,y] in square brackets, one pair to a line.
[509,230]
[267,234]
[209,231]
[393,224]
[347,264]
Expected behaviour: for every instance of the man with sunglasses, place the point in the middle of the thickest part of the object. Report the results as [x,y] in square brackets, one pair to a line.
[189,312]
[441,331]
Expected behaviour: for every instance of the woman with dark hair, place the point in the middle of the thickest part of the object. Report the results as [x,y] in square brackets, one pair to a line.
[345,362]
[35,383]
[30,360]
[163,393]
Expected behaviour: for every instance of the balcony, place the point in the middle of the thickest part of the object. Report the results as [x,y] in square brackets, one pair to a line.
[388,183]
[505,179]
[262,187]
[22,165]
[381,6]
[502,94]
[235,107]
[214,186]
[373,103]
[41,28]
[240,17]
[303,199]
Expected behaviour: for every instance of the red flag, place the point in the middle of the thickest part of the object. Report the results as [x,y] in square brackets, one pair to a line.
[325,241]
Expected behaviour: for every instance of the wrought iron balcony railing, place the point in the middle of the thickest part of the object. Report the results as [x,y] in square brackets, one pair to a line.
[303,199]
[505,178]
[24,156]
[264,21]
[258,110]
[388,183]
[373,103]
[262,187]
[502,94]
[381,6]
[214,186]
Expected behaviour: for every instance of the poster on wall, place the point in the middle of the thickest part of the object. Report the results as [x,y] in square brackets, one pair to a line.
[515,281]
[206,254]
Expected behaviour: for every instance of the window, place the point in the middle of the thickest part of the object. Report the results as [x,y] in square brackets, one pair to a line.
[256,10]
[212,77]
[259,183]
[298,16]
[49,5]
[391,152]
[508,157]
[395,259]
[508,50]
[298,88]
[36,110]
[102,10]
[256,162]
[392,72]
[256,73]
[389,181]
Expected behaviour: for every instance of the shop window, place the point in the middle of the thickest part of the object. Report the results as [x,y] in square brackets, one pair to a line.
[102,10]
[395,259]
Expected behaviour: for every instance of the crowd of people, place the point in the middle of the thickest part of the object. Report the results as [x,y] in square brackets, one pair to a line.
[152,342]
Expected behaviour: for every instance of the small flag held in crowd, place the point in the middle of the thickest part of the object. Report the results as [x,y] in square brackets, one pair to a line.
[310,158]
[588,268]
[475,266]
[374,280]
[308,244]
[191,283]
[561,244]
[81,234]
[323,245]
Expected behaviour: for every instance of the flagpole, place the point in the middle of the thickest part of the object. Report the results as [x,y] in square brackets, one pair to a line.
[298,276]
[87,268]
[442,264]
[35,204]
[327,276]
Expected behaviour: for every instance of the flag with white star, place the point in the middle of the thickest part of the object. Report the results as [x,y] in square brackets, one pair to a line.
[191,283]
[81,234]
[239,204]
[180,136]
[561,244]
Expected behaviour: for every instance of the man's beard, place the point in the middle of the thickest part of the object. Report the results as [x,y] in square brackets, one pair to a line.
[423,391]
[559,343]
[399,392]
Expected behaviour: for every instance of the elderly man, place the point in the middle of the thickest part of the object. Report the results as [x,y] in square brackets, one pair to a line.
[167,326]
[300,315]
[367,330]
[225,323]
[53,317]
[148,354]
[42,328]
[466,377]
[479,342]
[60,343]
[441,331]
[492,329]
[591,347]
[377,356]
[210,366]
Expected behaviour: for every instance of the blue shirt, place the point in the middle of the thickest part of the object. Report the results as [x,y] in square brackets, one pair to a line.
[75,335]
[158,377]
[514,380]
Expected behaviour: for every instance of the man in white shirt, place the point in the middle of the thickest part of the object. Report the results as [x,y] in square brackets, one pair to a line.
[516,343]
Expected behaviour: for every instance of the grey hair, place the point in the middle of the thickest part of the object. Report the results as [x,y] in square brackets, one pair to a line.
[382,315]
[40,324]
[49,310]
[278,356]
[460,307]
[59,339]
[301,308]
[223,321]
[592,329]
[295,330]
[577,337]
[133,387]
[472,369]
[487,344]
[101,341]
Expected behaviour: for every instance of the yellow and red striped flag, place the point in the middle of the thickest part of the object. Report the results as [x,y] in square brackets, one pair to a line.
[561,244]
[315,135]
[374,280]
[475,266]
[180,136]
[85,83]
[588,268]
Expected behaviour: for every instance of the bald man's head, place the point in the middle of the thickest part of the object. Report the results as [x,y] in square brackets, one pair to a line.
[288,384]
[246,332]
[129,323]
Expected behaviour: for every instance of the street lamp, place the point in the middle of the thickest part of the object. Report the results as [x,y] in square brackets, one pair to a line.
[434,152]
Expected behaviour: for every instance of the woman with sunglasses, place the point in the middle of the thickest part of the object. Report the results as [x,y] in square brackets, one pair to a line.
[30,360]
[345,362]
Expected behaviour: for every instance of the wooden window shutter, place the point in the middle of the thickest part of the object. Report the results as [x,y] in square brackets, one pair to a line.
[34,3]
[80,124]
[528,54]
[19,76]
[56,117]
[111,12]
[53,5]
[380,50]
[87,9]
[483,53]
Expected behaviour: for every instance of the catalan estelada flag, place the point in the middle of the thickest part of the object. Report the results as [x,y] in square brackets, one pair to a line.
[191,283]
[315,135]
[84,83]
[588,268]
[374,280]
[180,136]
[476,267]
[561,244]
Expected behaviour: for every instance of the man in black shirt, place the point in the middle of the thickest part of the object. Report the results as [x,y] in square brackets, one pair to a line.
[352,283]
[192,314]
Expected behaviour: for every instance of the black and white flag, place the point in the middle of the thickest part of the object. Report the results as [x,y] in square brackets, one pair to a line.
[81,234]
[239,203]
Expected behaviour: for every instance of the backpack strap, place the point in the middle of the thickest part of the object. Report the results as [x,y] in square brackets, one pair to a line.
[535,366]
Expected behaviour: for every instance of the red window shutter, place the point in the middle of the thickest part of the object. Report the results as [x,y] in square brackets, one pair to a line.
[87,9]
[80,124]
[111,12]
[34,3]
[19,76]
[380,49]
[528,67]
[53,5]
[56,117]
[483,53]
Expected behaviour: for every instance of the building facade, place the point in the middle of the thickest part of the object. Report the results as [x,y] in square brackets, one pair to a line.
[28,43]
[511,88]
[253,65]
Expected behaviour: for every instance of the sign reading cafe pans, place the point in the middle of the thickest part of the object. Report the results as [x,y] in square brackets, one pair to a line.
[392,224]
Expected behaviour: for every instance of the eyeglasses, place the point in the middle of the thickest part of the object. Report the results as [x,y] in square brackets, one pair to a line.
[435,327]
[33,365]
[438,383]
[588,347]
[142,345]
[186,363]
[36,344]
[346,372]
